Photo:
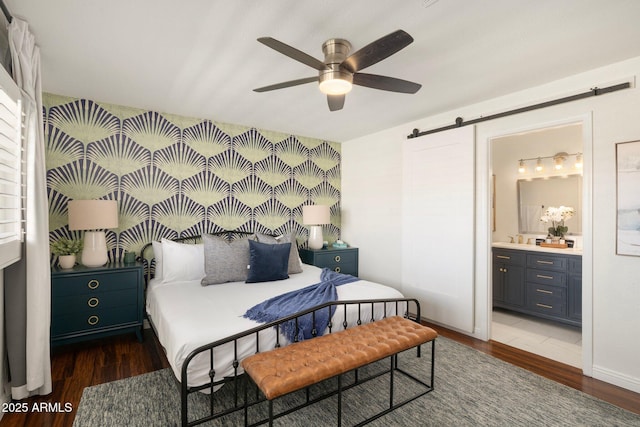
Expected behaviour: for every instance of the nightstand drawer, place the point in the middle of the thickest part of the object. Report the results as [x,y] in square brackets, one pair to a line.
[336,261]
[94,319]
[339,260]
[82,302]
[95,283]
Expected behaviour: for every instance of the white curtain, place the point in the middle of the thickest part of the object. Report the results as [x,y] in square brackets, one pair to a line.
[28,283]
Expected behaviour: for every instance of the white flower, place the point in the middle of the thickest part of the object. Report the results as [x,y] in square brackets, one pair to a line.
[557,215]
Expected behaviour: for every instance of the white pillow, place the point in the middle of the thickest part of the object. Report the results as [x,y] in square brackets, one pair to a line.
[181,261]
[157,254]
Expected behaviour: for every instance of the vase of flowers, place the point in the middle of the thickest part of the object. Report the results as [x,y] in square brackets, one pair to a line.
[557,217]
[66,250]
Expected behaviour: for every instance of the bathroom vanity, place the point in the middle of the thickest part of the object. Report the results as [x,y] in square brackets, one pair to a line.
[539,281]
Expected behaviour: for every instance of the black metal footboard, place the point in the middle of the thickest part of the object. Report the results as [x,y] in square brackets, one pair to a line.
[342,311]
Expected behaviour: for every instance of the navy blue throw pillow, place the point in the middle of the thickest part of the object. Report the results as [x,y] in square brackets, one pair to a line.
[268,262]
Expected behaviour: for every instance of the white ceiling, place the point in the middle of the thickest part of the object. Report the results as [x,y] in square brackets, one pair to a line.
[200,58]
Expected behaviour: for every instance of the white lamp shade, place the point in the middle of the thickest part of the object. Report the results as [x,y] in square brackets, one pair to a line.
[315,215]
[92,214]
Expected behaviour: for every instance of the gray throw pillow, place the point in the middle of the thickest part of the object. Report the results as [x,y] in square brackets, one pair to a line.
[225,261]
[295,264]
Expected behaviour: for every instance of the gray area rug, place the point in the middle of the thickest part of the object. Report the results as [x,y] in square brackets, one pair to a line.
[471,389]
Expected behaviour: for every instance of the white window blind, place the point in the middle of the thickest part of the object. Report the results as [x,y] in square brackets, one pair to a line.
[11,168]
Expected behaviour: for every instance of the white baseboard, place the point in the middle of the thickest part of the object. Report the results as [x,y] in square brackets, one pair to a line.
[616,378]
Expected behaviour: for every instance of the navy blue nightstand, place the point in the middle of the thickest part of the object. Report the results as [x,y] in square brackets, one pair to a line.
[88,303]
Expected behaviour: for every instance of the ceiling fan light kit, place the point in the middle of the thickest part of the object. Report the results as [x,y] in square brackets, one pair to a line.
[340,71]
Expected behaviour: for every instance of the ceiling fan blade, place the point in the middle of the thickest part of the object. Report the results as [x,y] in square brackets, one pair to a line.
[286,84]
[293,53]
[336,102]
[385,83]
[377,51]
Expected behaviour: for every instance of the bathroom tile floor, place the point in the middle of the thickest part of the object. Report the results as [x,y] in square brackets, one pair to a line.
[545,338]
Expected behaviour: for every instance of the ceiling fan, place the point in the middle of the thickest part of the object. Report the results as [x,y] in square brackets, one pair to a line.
[338,72]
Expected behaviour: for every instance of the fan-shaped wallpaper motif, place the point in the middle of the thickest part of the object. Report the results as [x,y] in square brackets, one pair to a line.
[175,176]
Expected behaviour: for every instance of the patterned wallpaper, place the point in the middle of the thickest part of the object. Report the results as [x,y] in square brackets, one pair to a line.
[176,176]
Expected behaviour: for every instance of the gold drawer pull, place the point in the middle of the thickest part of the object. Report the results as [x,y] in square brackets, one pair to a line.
[542,276]
[544,291]
[337,258]
[93,302]
[337,269]
[503,256]
[93,320]
[544,305]
[545,262]
[93,284]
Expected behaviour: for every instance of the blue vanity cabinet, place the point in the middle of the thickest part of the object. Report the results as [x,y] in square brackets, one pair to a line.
[538,283]
[508,278]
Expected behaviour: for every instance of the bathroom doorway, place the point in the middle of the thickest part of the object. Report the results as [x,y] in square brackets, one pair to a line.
[555,151]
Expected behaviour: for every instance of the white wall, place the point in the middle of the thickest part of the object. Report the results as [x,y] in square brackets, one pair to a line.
[371,187]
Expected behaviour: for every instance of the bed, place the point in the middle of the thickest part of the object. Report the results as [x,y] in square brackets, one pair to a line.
[202,328]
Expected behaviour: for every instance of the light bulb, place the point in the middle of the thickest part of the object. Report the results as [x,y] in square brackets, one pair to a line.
[578,164]
[521,169]
[539,165]
[558,163]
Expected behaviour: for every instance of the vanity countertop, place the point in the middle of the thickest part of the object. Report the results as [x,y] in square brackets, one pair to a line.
[536,248]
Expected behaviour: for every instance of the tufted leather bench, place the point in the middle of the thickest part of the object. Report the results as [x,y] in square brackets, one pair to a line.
[302,364]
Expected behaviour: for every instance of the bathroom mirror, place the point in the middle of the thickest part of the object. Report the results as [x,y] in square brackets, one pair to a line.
[537,194]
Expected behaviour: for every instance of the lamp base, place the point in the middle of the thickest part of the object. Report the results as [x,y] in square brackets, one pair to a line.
[94,251]
[315,237]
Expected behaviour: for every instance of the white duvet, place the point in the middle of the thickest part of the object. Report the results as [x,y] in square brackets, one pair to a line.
[187,315]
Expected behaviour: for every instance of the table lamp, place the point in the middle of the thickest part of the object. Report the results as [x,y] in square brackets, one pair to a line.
[315,216]
[93,216]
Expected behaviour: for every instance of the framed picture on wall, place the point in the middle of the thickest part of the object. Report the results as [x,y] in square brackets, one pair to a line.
[628,198]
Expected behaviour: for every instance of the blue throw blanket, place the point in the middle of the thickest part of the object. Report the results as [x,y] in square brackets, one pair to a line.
[292,302]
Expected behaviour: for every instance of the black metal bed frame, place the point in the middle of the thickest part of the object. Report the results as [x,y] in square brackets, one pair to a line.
[410,309]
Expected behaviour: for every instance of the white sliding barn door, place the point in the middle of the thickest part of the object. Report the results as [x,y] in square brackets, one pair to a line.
[438,226]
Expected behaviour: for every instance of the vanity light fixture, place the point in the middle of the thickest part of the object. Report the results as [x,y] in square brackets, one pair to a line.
[559,160]
[539,164]
[578,164]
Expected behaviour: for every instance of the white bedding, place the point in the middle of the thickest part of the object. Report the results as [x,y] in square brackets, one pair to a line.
[187,315]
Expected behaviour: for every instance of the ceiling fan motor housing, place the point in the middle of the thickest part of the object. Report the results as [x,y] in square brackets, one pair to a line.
[335,52]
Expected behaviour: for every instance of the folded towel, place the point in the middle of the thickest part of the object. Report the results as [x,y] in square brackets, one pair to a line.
[301,299]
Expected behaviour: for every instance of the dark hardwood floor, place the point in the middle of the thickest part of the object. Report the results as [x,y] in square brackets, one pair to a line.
[81,365]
